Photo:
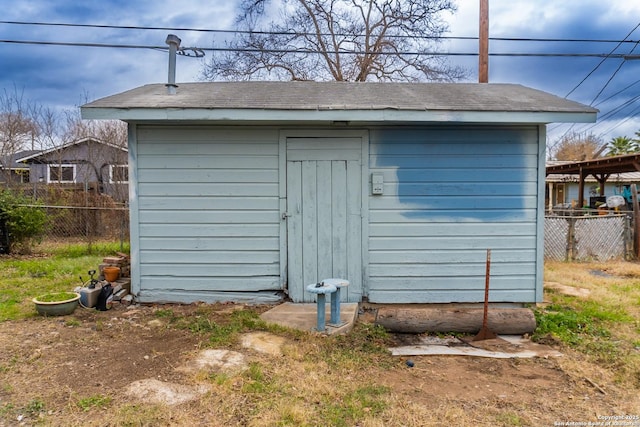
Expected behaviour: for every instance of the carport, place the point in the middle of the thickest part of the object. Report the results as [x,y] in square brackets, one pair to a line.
[602,169]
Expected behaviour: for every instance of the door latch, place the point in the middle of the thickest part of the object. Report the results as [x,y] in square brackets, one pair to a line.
[285,215]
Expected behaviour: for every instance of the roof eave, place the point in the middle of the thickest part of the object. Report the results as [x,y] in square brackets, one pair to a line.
[370,116]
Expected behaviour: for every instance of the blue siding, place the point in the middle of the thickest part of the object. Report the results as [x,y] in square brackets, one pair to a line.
[450,193]
[208,213]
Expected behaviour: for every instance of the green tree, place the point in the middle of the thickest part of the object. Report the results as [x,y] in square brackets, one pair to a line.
[622,145]
[342,40]
[24,222]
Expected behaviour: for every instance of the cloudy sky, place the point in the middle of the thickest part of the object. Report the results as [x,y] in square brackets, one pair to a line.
[66,76]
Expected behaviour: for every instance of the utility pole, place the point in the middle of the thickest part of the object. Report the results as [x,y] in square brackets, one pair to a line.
[483,49]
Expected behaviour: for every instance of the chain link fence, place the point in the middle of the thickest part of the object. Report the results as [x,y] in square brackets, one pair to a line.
[80,225]
[86,224]
[568,237]
[75,215]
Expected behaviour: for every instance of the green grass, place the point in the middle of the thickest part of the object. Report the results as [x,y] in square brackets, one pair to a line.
[34,407]
[83,249]
[355,405]
[97,401]
[222,333]
[27,277]
[599,329]
[568,325]
[574,321]
[257,381]
[56,296]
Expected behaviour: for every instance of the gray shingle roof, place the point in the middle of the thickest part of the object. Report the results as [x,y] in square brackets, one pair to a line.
[301,96]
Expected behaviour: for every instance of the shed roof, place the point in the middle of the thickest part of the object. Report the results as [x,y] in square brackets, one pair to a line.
[340,101]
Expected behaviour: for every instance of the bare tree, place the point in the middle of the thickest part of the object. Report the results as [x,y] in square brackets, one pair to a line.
[20,130]
[579,147]
[343,40]
[113,132]
[18,122]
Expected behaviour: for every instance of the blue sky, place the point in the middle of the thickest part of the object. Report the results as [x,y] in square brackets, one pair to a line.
[64,77]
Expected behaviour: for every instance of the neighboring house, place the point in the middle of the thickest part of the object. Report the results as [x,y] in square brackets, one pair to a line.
[13,172]
[247,191]
[563,189]
[87,162]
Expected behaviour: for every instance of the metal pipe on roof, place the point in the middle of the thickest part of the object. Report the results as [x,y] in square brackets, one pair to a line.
[174,43]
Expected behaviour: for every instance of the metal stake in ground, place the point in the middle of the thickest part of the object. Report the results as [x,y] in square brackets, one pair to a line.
[486,333]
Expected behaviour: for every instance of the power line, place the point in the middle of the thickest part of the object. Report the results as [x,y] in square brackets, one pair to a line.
[617,93]
[291,33]
[601,62]
[608,116]
[611,78]
[623,56]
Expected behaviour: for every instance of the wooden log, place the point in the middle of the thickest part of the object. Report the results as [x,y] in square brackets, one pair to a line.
[505,321]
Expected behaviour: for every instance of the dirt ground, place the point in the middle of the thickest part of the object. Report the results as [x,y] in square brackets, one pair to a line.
[48,365]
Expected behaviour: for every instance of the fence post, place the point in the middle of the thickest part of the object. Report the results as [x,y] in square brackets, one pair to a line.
[636,219]
[571,239]
[628,238]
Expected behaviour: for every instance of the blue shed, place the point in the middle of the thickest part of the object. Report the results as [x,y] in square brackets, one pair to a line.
[249,191]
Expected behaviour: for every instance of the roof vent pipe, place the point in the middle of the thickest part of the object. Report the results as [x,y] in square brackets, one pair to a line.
[174,43]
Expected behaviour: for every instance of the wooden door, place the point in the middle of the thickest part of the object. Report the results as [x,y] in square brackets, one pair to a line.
[324,223]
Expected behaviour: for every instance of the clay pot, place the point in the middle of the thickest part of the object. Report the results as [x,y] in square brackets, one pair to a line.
[111,274]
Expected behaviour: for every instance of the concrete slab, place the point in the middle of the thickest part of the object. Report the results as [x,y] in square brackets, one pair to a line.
[303,317]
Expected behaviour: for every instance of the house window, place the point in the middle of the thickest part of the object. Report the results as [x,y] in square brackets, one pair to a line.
[23,175]
[119,174]
[62,173]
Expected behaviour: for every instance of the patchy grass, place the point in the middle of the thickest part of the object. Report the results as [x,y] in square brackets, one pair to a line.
[80,249]
[221,330]
[343,380]
[605,327]
[96,401]
[27,277]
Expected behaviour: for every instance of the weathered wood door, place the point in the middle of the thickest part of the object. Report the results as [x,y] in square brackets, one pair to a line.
[324,208]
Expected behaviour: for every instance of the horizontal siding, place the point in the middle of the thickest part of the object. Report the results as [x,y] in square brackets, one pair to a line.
[459,175]
[205,270]
[440,256]
[208,230]
[450,269]
[209,243]
[209,203]
[207,296]
[208,212]
[381,215]
[451,193]
[189,188]
[202,256]
[458,242]
[442,295]
[462,284]
[456,202]
[199,175]
[399,229]
[201,216]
